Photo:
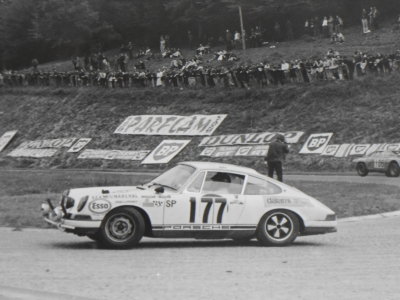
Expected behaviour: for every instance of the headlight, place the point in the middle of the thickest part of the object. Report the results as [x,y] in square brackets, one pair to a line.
[69,202]
[82,203]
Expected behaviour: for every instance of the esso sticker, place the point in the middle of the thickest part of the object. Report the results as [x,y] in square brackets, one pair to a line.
[99,206]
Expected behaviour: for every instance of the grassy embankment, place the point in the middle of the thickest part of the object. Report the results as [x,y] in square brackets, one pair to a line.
[360,111]
[22,193]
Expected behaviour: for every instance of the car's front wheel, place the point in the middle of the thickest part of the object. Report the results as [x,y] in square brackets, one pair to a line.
[362,169]
[122,228]
[278,228]
[393,170]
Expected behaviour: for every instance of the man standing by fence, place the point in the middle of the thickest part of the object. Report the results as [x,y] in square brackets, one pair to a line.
[276,155]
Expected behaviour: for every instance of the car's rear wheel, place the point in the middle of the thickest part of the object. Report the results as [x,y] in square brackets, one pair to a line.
[278,228]
[393,170]
[122,228]
[362,169]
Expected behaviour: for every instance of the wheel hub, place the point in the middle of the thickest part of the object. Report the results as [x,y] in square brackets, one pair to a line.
[120,228]
[279,226]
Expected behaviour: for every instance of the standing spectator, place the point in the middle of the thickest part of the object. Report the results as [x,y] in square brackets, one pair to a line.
[307,27]
[325,30]
[162,44]
[228,40]
[330,26]
[289,30]
[275,156]
[339,24]
[364,21]
[277,31]
[373,16]
[236,40]
[130,50]
[190,39]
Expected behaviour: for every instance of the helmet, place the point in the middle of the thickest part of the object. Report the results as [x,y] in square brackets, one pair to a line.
[280,137]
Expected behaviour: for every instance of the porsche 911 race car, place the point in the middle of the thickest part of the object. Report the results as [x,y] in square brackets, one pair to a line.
[193,200]
[387,162]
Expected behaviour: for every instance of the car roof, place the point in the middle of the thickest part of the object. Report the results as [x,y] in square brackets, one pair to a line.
[202,165]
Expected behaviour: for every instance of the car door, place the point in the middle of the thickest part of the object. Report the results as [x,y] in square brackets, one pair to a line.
[208,201]
[221,201]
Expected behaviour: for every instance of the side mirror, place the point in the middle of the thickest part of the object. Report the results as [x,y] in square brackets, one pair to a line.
[159,190]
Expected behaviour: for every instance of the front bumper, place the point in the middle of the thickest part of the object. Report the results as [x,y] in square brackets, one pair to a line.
[56,217]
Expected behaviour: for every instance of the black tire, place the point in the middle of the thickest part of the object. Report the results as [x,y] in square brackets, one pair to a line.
[122,228]
[362,169]
[278,228]
[393,170]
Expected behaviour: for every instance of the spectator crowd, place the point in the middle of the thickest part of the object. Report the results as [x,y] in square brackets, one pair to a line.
[195,73]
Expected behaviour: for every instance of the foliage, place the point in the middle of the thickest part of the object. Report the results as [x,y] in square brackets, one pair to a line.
[48,29]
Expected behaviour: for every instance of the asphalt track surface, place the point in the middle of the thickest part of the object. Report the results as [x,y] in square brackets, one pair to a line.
[360,261]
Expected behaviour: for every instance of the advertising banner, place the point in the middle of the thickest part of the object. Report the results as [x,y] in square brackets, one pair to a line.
[330,150]
[359,149]
[6,138]
[375,147]
[392,147]
[165,151]
[170,125]
[316,143]
[344,150]
[79,145]
[36,153]
[53,144]
[225,151]
[113,154]
[262,138]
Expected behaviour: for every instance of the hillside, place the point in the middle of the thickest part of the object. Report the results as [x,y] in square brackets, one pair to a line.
[360,111]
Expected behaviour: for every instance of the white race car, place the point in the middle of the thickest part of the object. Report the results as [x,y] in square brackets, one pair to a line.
[193,200]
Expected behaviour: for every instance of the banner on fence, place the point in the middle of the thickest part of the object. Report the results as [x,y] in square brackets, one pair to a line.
[262,138]
[330,150]
[224,151]
[36,153]
[6,138]
[359,149]
[344,150]
[165,151]
[170,125]
[113,154]
[316,143]
[51,144]
[79,145]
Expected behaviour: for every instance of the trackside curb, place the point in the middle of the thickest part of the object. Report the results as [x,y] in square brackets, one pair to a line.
[370,217]
[11,293]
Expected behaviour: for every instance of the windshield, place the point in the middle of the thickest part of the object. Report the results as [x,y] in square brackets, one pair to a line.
[175,177]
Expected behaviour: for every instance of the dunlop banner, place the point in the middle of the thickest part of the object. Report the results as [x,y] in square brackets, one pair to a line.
[170,125]
[165,151]
[262,138]
[225,151]
[6,138]
[113,154]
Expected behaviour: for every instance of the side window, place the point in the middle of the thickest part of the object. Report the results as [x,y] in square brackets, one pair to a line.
[225,183]
[256,186]
[195,186]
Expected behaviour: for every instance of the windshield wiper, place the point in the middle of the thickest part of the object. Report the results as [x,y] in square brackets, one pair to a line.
[163,185]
